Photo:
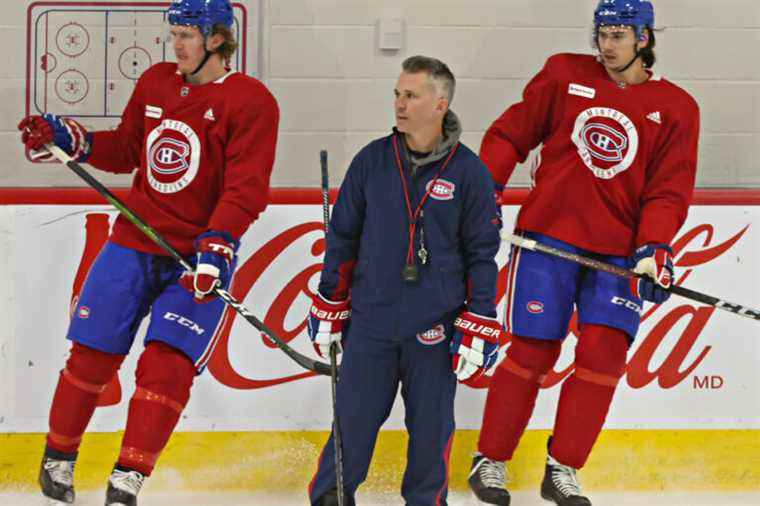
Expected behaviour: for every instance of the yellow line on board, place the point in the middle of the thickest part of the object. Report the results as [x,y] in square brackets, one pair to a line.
[276,461]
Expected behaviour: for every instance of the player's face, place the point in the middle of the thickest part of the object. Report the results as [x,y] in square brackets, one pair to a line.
[418,104]
[187,42]
[617,45]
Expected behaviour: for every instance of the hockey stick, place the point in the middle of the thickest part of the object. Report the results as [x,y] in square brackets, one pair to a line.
[337,443]
[625,273]
[302,360]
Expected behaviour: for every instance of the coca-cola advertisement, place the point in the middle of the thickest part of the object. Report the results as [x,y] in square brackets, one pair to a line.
[691,365]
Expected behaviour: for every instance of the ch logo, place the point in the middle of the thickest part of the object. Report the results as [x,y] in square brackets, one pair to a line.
[607,141]
[174,154]
[169,156]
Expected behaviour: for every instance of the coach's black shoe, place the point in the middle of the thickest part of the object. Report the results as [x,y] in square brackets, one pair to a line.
[561,485]
[330,498]
[56,477]
[487,479]
[123,487]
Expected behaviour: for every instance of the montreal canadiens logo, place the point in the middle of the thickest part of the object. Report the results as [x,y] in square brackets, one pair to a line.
[442,189]
[607,141]
[84,312]
[173,154]
[169,156]
[432,336]
[535,307]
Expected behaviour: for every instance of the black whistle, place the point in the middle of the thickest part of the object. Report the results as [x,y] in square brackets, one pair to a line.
[410,273]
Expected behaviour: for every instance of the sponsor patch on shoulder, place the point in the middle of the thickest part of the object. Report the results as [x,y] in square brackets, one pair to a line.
[433,336]
[535,307]
[581,91]
[442,190]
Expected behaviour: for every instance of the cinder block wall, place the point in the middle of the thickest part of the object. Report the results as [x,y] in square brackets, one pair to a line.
[335,88]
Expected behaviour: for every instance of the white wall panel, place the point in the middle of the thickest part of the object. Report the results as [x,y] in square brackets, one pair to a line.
[321,61]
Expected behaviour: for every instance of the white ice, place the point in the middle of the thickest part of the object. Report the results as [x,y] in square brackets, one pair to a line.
[457,499]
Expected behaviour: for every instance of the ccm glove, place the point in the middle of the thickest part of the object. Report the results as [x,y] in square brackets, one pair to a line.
[215,253]
[475,345]
[67,134]
[655,263]
[327,322]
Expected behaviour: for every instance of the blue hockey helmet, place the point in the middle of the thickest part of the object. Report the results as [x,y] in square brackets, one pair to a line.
[635,13]
[201,13]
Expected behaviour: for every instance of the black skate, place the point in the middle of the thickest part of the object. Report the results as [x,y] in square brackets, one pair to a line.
[561,485]
[123,487]
[487,478]
[57,476]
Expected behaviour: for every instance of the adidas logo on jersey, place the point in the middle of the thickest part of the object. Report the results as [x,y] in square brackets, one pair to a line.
[655,116]
[209,115]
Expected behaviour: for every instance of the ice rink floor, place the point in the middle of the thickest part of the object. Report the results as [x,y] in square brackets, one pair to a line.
[457,499]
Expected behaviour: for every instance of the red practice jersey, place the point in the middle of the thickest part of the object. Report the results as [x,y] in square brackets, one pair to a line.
[617,165]
[203,156]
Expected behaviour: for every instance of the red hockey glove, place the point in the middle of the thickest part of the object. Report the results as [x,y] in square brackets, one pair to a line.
[213,266]
[67,134]
[475,345]
[328,321]
[655,262]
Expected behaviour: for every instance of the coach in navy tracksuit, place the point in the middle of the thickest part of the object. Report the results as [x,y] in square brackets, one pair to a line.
[421,310]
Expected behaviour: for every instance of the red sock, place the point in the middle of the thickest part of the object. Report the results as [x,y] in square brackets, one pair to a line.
[86,374]
[512,394]
[164,377]
[587,394]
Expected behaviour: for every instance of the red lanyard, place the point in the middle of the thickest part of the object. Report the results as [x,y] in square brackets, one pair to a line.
[414,216]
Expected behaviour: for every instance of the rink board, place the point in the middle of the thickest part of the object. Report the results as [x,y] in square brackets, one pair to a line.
[688,406]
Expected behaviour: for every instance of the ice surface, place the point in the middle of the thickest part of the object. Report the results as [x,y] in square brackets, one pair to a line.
[521,498]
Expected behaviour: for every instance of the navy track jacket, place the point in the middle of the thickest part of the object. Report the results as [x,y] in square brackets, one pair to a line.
[368,240]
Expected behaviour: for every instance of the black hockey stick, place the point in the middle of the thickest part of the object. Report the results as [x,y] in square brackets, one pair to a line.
[337,443]
[625,273]
[302,360]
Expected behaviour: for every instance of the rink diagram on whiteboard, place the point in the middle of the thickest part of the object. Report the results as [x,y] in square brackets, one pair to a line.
[84,58]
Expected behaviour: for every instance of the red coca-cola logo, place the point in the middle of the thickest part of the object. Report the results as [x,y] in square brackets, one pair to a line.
[692,249]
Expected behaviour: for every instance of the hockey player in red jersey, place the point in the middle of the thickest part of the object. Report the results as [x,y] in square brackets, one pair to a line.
[614,181]
[202,141]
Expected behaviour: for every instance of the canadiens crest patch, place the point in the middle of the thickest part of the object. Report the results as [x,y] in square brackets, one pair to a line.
[607,141]
[84,312]
[535,307]
[173,153]
[441,190]
[433,336]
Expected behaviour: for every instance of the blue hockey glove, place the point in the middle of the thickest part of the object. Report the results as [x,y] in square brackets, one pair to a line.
[65,133]
[475,345]
[655,263]
[215,254]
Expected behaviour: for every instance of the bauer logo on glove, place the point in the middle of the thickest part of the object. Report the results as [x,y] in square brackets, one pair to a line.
[328,320]
[475,345]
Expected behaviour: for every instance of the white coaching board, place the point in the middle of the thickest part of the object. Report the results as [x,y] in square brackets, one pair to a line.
[84,58]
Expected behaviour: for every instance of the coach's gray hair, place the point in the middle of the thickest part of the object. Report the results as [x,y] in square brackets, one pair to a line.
[437,71]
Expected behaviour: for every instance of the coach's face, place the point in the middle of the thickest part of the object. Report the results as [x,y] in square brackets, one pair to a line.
[418,104]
